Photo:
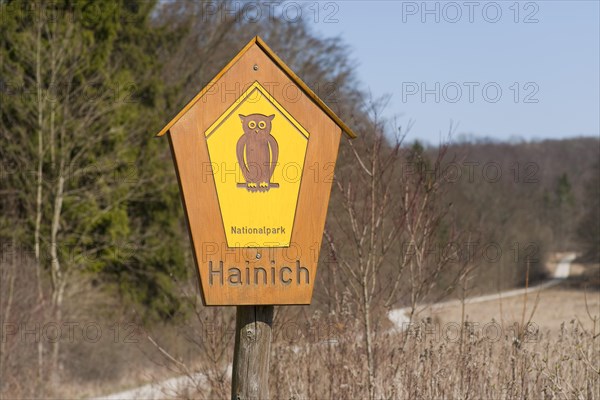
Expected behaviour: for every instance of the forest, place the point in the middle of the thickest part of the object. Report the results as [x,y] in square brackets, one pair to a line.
[98,287]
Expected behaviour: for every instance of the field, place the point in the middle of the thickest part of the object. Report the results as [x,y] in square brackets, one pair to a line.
[546,309]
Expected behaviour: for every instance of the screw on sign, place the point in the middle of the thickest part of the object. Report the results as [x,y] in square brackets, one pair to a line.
[255,213]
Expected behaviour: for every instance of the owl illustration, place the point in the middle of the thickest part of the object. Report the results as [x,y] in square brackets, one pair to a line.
[257,152]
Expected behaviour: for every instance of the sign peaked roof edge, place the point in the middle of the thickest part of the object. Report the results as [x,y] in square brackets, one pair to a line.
[295,78]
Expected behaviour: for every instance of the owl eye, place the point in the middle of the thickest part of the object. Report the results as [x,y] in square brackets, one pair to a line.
[262,124]
[251,124]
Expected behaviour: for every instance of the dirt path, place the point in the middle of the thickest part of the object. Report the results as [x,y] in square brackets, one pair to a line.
[166,389]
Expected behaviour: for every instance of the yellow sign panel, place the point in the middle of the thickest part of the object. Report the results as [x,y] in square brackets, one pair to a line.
[257,152]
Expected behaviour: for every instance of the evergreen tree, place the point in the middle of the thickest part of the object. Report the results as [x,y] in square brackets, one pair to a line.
[89,189]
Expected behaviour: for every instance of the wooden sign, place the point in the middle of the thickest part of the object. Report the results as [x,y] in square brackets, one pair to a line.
[255,152]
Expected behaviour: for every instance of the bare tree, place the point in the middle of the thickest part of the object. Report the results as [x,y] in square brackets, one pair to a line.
[386,240]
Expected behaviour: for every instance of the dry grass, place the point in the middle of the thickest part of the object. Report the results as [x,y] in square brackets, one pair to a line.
[460,364]
[481,351]
[441,358]
[450,354]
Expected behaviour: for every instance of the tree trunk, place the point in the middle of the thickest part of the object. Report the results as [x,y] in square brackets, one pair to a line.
[368,342]
[38,199]
[58,281]
[250,380]
[55,349]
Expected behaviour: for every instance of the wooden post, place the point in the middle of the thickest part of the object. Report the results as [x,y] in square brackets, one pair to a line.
[250,377]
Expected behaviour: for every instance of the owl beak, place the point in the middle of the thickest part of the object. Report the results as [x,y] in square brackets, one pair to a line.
[256,131]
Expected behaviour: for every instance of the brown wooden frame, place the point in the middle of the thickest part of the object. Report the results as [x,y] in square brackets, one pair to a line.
[256,62]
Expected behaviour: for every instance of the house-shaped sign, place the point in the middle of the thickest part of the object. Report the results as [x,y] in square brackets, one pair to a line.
[255,152]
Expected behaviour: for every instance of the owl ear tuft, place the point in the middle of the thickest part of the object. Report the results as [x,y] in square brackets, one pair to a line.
[242,117]
[270,117]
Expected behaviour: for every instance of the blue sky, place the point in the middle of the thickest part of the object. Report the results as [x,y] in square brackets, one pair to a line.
[497,69]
